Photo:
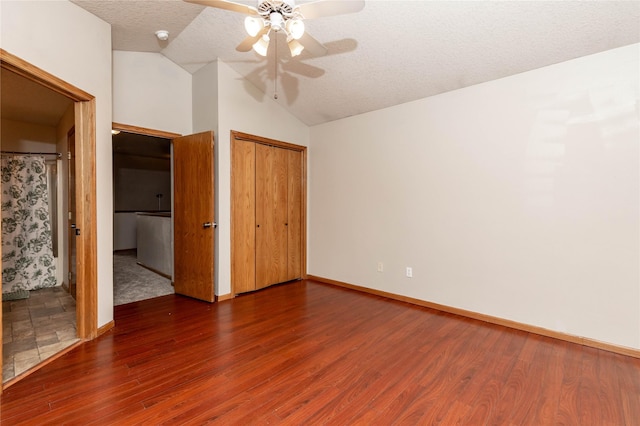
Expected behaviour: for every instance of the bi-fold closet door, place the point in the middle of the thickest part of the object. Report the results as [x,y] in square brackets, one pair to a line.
[267,203]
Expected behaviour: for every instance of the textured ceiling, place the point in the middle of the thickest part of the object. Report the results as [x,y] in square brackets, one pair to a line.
[389,53]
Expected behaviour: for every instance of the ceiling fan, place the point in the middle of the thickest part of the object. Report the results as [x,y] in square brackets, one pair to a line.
[283,16]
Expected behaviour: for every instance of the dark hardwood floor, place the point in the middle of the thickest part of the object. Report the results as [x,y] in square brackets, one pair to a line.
[309,353]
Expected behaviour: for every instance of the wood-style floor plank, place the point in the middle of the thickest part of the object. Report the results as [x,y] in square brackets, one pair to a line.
[310,353]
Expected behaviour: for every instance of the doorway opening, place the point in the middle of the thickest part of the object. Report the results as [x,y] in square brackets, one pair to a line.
[142,237]
[191,221]
[76,109]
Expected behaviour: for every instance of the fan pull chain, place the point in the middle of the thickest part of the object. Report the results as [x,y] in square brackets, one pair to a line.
[275,62]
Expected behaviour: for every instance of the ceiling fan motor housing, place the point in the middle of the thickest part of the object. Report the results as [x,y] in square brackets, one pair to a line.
[277,21]
[283,7]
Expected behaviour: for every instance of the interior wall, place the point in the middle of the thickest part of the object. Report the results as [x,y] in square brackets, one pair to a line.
[243,107]
[137,181]
[205,98]
[517,198]
[75,46]
[152,92]
[28,137]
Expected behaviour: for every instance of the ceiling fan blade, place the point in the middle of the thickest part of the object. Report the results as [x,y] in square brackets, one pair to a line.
[249,41]
[313,46]
[321,8]
[226,5]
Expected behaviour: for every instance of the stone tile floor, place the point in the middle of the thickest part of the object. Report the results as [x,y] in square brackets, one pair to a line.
[36,328]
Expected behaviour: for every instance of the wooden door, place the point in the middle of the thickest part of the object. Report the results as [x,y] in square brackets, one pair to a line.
[294,213]
[271,215]
[72,225]
[243,214]
[193,216]
[268,214]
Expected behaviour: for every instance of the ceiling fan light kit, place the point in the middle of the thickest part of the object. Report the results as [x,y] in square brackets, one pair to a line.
[295,28]
[277,21]
[277,16]
[285,16]
[295,47]
[262,45]
[253,25]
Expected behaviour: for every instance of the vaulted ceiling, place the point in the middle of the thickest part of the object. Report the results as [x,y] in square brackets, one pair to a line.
[389,53]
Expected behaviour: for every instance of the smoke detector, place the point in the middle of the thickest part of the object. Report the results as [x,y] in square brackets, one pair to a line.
[163,35]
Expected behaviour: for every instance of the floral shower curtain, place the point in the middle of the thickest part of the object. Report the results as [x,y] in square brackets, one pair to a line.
[27,256]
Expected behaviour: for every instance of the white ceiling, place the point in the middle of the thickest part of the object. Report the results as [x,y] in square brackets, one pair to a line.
[24,100]
[389,53]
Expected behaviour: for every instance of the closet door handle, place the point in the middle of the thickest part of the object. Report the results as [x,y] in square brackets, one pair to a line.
[209,225]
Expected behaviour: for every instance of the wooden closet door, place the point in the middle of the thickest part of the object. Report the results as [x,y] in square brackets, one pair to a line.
[193,216]
[243,214]
[294,205]
[271,215]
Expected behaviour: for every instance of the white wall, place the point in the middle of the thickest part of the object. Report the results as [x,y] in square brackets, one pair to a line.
[517,198]
[138,180]
[30,137]
[74,45]
[244,108]
[125,231]
[205,99]
[152,92]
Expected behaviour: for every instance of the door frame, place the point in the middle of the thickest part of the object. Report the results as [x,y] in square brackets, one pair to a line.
[303,219]
[154,133]
[85,127]
[71,183]
[144,131]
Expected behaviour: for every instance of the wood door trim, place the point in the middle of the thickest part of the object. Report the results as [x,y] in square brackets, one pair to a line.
[266,141]
[44,362]
[86,214]
[85,107]
[71,210]
[303,225]
[303,216]
[31,72]
[144,131]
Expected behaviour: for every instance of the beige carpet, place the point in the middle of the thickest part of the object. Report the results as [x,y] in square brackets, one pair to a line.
[132,282]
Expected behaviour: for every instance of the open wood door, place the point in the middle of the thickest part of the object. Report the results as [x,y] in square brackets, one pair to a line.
[193,216]
[72,226]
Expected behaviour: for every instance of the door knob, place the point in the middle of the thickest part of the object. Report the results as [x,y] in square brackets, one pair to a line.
[209,225]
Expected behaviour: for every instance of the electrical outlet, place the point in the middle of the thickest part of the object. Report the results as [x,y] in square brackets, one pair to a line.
[409,272]
[380,267]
